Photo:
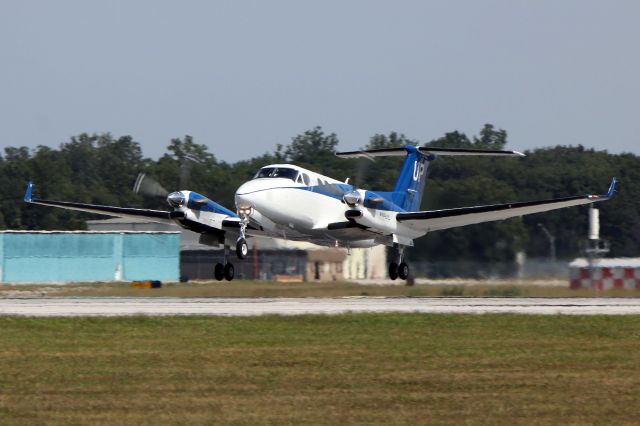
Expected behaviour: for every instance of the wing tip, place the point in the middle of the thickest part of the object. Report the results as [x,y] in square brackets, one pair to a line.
[613,187]
[28,192]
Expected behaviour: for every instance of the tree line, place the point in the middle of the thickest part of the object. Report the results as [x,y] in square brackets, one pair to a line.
[101,169]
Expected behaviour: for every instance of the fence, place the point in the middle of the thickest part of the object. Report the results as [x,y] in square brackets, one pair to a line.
[530,269]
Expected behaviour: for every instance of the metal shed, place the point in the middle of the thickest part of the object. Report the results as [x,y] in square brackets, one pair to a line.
[68,256]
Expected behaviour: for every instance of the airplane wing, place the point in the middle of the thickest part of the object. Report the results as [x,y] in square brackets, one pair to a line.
[436,220]
[129,213]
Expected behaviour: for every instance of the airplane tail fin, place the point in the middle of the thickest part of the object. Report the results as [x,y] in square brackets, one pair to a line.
[409,187]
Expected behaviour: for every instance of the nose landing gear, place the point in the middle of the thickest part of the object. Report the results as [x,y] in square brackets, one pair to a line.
[399,269]
[242,249]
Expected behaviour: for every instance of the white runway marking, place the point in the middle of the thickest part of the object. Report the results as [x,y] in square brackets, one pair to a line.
[69,307]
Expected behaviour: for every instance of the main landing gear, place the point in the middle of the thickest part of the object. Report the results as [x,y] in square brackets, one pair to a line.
[224,270]
[399,269]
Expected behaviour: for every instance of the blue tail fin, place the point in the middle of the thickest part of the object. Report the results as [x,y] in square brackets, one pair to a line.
[407,193]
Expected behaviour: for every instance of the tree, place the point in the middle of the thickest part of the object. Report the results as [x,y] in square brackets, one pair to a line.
[490,138]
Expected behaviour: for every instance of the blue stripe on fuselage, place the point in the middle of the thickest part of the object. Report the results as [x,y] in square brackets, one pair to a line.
[210,206]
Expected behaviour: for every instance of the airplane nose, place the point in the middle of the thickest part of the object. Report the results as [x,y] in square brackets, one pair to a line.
[243,197]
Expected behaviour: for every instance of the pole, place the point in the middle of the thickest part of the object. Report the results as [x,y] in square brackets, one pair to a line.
[552,242]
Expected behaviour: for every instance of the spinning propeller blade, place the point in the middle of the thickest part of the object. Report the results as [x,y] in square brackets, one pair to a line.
[146,185]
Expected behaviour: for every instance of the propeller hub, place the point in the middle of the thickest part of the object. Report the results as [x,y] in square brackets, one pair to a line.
[176,199]
[352,198]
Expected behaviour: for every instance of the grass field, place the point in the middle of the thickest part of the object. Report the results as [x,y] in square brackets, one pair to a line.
[347,369]
[309,289]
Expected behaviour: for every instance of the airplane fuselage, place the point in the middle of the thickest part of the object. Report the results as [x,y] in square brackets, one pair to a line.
[312,207]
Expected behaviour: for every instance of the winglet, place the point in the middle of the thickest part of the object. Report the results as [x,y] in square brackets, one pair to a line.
[608,195]
[27,194]
[612,188]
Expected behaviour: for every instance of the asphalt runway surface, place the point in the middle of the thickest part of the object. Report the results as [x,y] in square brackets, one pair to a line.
[116,306]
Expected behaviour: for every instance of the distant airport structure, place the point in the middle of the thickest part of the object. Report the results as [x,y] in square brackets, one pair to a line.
[268,259]
[75,256]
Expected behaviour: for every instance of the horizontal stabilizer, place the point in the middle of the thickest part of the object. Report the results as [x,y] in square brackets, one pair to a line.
[402,151]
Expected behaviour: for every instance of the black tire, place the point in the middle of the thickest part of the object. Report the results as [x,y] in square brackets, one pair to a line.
[393,270]
[242,249]
[403,271]
[229,271]
[218,271]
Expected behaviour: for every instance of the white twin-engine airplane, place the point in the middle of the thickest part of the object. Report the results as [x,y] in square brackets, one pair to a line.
[289,202]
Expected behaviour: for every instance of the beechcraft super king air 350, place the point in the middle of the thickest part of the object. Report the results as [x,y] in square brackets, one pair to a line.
[289,202]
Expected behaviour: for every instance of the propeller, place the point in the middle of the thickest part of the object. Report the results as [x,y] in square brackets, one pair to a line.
[146,185]
[355,197]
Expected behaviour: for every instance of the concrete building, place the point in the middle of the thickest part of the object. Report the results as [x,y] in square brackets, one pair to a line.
[72,256]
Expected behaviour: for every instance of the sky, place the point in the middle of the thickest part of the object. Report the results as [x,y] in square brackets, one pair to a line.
[243,76]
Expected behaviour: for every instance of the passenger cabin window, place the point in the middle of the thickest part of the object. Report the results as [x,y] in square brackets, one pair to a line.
[277,172]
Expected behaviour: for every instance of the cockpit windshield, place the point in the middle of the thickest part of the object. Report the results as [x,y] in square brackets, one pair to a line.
[277,172]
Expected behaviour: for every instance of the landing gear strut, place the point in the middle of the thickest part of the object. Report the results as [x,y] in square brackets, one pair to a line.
[399,269]
[242,249]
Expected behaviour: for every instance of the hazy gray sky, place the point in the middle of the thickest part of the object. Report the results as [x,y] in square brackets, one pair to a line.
[241,76]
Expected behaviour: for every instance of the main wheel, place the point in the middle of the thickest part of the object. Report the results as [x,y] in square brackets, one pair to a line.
[242,249]
[403,271]
[229,271]
[218,271]
[393,270]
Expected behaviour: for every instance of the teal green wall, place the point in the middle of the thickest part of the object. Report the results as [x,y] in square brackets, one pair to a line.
[88,256]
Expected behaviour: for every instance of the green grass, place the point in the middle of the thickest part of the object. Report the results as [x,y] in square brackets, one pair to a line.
[347,369]
[242,288]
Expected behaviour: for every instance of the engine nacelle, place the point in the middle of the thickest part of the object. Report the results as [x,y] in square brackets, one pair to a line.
[378,220]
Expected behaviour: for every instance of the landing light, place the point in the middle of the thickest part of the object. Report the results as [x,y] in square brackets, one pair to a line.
[245,210]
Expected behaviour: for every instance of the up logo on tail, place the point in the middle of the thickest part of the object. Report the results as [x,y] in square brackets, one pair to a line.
[418,170]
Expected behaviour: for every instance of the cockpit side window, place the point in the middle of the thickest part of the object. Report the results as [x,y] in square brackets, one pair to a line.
[306,179]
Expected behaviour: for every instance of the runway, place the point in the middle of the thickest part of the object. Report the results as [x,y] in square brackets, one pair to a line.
[72,307]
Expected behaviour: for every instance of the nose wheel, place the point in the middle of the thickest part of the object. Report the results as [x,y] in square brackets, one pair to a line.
[399,269]
[242,249]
